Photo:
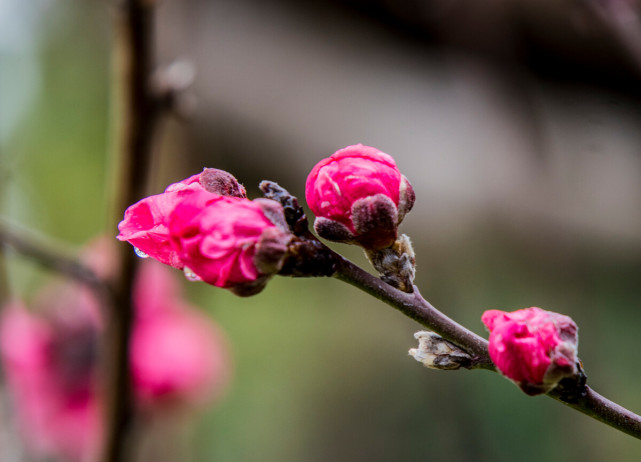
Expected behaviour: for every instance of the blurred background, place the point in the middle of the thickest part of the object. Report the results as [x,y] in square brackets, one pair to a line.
[519,125]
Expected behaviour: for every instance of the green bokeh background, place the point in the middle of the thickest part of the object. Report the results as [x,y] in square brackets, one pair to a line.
[321,371]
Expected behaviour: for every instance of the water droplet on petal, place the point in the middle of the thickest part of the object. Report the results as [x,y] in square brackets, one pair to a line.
[190,275]
[140,253]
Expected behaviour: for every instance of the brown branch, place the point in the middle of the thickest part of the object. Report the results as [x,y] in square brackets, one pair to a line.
[135,115]
[414,306]
[48,254]
[602,409]
[574,394]
[4,276]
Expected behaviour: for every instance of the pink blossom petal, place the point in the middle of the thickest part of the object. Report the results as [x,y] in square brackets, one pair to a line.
[351,174]
[218,241]
[533,347]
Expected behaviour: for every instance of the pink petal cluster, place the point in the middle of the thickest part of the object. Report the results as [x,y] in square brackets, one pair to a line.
[533,347]
[49,365]
[358,196]
[218,238]
[145,222]
[207,226]
[178,356]
[50,356]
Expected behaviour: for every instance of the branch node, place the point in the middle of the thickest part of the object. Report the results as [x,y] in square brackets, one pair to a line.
[294,214]
[396,264]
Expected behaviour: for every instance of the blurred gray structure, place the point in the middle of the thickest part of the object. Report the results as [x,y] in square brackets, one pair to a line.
[477,131]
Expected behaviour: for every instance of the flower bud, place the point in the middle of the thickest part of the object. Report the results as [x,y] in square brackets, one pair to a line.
[396,264]
[50,355]
[221,182]
[358,196]
[145,222]
[48,361]
[437,353]
[532,347]
[178,356]
[228,242]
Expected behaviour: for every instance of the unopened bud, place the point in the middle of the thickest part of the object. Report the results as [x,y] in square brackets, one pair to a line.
[228,242]
[145,225]
[437,353]
[221,182]
[396,264]
[294,214]
[532,347]
[359,196]
[206,225]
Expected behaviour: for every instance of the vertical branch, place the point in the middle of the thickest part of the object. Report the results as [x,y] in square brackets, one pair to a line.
[4,276]
[134,114]
[5,296]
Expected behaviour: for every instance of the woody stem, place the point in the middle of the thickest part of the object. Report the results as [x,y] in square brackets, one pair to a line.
[576,394]
[135,114]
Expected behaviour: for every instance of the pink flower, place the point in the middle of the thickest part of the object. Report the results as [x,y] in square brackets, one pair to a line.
[178,356]
[49,364]
[229,242]
[145,222]
[359,196]
[533,347]
[206,226]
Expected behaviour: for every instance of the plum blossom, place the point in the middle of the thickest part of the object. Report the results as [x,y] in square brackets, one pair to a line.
[49,360]
[359,196]
[532,347]
[50,355]
[228,242]
[206,226]
[145,223]
[178,355]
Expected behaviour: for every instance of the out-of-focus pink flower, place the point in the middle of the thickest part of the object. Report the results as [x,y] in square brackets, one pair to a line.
[50,357]
[178,356]
[227,241]
[145,223]
[533,347]
[50,367]
[358,196]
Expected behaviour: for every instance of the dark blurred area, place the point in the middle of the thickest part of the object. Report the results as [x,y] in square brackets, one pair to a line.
[518,124]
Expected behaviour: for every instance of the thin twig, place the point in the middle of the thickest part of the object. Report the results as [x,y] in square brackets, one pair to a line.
[416,307]
[580,397]
[48,254]
[602,409]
